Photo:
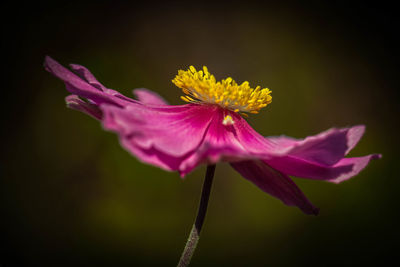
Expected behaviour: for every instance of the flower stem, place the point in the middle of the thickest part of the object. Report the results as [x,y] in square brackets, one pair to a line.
[201,214]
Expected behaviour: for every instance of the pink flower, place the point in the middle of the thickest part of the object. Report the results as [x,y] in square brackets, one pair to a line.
[210,129]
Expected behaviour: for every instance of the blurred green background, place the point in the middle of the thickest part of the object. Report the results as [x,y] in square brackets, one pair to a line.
[72,196]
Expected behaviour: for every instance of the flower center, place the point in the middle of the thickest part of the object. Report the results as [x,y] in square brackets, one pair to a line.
[201,86]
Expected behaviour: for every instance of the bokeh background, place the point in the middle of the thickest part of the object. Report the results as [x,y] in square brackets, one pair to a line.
[72,196]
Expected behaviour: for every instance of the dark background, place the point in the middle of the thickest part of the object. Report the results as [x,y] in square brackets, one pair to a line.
[70,195]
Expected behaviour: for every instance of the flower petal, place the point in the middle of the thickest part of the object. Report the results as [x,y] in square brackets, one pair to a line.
[275,183]
[186,135]
[326,148]
[233,142]
[251,139]
[354,135]
[74,102]
[342,170]
[146,96]
[151,155]
[358,164]
[88,76]
[172,130]
[81,87]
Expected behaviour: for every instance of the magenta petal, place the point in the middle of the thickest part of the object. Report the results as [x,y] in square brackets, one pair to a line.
[173,130]
[354,135]
[146,96]
[88,76]
[81,87]
[189,135]
[275,183]
[321,157]
[222,136]
[151,155]
[358,164]
[326,148]
[251,140]
[226,143]
[342,170]
[76,84]
[74,102]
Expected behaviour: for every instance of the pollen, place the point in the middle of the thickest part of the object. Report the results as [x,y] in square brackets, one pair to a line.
[202,87]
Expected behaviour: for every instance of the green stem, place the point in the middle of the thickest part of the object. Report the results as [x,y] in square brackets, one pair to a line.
[201,214]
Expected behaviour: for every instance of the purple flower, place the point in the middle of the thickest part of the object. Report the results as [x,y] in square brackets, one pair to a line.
[210,128]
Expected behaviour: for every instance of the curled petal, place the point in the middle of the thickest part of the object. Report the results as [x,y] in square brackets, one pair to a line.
[358,164]
[326,148]
[354,135]
[275,183]
[342,170]
[74,102]
[88,76]
[146,96]
[81,87]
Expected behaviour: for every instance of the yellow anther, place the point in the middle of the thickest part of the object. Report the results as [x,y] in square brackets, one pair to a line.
[185,99]
[202,86]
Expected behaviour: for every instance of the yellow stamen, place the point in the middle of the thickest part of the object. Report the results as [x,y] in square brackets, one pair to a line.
[202,86]
[228,120]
